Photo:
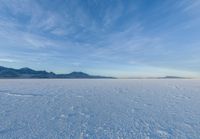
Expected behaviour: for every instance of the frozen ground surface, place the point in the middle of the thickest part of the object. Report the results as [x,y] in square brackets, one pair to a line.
[99,109]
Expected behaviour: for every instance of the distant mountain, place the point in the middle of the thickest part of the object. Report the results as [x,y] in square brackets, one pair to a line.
[172,77]
[30,73]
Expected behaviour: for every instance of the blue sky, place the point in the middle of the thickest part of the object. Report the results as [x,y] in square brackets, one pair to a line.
[123,38]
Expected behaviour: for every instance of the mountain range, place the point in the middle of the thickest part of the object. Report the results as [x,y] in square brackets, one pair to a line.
[30,73]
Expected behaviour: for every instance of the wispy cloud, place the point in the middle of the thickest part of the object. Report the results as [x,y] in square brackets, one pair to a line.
[190,5]
[7,60]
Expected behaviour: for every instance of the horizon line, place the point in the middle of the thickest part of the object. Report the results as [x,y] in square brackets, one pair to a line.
[119,77]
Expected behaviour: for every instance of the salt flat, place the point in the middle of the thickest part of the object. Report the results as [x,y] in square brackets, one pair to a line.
[99,109]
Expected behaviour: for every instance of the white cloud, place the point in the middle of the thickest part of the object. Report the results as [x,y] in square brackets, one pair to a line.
[59,32]
[7,60]
[76,64]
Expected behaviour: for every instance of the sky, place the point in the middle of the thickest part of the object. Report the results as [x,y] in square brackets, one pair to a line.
[121,38]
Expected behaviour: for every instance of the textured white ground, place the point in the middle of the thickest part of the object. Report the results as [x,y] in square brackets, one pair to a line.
[99,109]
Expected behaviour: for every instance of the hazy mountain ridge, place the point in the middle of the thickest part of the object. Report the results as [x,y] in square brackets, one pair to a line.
[30,73]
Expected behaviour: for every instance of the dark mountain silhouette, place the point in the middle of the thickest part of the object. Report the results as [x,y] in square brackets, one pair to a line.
[30,73]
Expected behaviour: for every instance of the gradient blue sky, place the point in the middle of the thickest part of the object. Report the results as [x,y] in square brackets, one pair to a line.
[123,38]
